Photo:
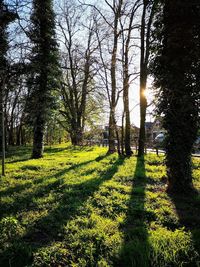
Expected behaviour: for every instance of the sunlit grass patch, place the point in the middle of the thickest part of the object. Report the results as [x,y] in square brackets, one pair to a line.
[172,248]
[81,207]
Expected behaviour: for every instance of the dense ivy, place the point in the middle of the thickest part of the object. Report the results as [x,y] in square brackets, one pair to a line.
[44,70]
[176,68]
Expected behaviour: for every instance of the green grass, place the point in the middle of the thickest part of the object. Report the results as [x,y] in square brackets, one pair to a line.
[80,207]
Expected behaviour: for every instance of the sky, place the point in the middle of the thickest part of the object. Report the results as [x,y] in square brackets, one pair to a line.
[134,104]
[133,92]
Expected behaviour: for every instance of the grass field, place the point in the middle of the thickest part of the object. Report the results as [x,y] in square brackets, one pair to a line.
[79,207]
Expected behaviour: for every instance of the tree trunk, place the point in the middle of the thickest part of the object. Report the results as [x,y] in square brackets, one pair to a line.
[127,121]
[143,79]
[111,138]
[118,140]
[23,136]
[122,135]
[181,121]
[3,142]
[19,135]
[176,69]
[1,115]
[44,71]
[76,136]
[183,161]
[2,130]
[143,108]
[126,45]
[113,100]
[126,111]
[11,138]
[38,140]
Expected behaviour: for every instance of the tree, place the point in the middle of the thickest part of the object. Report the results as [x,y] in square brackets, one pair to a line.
[145,34]
[16,74]
[14,101]
[111,16]
[126,45]
[6,17]
[78,61]
[44,71]
[176,69]
[117,9]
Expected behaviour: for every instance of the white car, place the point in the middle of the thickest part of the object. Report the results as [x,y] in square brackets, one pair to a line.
[159,138]
[197,145]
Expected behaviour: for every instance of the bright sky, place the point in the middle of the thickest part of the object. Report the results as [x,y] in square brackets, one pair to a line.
[134,104]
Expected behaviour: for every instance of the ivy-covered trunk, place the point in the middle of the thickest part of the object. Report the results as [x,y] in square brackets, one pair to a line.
[177,69]
[44,71]
[38,139]
[178,158]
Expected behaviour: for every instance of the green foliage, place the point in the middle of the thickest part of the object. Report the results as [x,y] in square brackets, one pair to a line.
[80,207]
[11,247]
[9,229]
[53,255]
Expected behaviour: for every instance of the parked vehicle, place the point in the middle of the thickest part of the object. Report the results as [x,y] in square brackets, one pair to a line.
[159,142]
[196,148]
[160,139]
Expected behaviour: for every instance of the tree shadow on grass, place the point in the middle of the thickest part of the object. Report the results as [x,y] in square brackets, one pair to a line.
[18,154]
[31,181]
[52,150]
[26,158]
[25,201]
[80,148]
[23,153]
[135,249]
[72,198]
[188,211]
[69,200]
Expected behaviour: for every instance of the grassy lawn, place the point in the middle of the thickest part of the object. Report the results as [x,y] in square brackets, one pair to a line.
[79,207]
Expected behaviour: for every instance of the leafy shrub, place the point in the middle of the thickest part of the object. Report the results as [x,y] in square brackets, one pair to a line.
[13,251]
[10,229]
[54,255]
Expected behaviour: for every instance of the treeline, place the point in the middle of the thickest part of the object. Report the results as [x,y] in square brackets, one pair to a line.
[66,65]
[95,53]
